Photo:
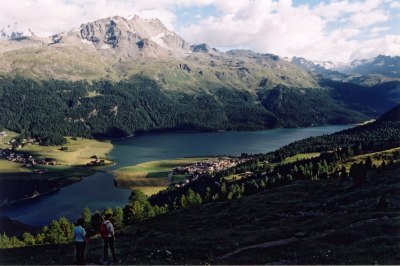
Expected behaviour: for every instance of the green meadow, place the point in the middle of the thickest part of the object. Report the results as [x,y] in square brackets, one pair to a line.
[301,156]
[71,162]
[151,177]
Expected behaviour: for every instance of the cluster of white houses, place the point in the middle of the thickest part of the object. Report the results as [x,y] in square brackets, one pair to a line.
[209,166]
[16,144]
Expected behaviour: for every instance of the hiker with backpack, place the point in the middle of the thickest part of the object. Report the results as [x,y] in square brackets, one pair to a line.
[80,241]
[108,233]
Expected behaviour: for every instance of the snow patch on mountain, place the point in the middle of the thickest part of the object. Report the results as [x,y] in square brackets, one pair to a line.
[383,65]
[15,33]
[159,40]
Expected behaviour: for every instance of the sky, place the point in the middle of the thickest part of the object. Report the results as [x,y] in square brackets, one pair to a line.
[334,30]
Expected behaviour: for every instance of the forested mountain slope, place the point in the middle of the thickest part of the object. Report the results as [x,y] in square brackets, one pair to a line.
[105,108]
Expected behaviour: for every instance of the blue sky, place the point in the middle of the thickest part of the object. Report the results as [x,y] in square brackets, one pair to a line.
[336,30]
[190,15]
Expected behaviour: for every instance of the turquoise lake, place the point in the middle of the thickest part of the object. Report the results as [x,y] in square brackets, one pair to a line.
[99,192]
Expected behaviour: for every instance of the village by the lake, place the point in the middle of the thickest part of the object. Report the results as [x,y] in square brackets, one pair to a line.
[208,167]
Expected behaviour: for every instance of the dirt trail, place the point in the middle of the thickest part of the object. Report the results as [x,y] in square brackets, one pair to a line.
[293,239]
[77,155]
[275,243]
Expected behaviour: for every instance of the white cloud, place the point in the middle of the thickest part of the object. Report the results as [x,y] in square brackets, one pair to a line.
[337,30]
[334,10]
[388,45]
[365,19]
[375,31]
[395,4]
[47,17]
[328,31]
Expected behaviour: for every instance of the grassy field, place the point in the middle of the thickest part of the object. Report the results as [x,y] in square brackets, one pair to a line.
[233,177]
[150,177]
[79,151]
[376,157]
[301,156]
[72,162]
[11,167]
[4,139]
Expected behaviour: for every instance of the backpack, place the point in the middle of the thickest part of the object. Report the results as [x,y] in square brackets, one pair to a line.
[103,229]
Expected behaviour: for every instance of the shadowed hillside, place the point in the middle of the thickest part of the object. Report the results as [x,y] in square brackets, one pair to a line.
[326,222]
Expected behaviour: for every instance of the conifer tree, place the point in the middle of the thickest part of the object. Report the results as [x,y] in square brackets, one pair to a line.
[86,215]
[183,201]
[28,239]
[118,217]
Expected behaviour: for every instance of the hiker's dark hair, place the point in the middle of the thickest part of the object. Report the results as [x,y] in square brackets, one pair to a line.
[80,221]
[108,216]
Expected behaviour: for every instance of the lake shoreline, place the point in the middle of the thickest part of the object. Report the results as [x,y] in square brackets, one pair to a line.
[34,196]
[81,175]
[63,182]
[98,191]
[166,131]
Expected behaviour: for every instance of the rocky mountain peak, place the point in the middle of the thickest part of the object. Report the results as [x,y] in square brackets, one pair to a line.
[127,37]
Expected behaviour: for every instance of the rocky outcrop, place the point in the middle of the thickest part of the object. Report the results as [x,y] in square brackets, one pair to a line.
[88,33]
[185,68]
[112,34]
[56,39]
[200,48]
[142,44]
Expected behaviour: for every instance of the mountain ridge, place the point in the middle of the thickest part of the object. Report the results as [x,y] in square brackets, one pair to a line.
[117,48]
[381,66]
[265,89]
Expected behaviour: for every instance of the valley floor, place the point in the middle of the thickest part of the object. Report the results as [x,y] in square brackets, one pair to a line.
[305,222]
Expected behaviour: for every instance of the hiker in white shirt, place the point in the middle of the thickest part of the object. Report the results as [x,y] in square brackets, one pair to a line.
[80,241]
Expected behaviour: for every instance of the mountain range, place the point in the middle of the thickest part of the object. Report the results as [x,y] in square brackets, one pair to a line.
[118,41]
[380,68]
[269,89]
[117,47]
